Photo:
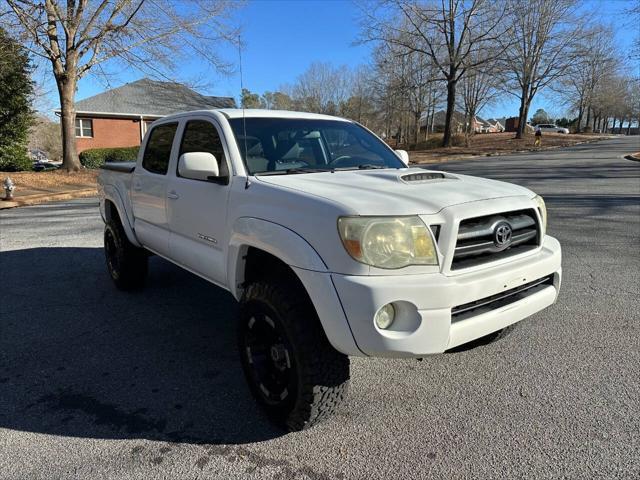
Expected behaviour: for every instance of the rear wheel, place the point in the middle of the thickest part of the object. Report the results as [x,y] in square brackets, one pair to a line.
[292,370]
[127,264]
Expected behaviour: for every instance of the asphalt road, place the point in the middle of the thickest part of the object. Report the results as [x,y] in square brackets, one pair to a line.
[95,383]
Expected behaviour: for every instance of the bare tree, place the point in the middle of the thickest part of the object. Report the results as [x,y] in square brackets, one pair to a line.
[45,135]
[404,80]
[480,87]
[633,18]
[449,32]
[594,60]
[322,88]
[615,96]
[360,105]
[78,36]
[544,34]
[277,101]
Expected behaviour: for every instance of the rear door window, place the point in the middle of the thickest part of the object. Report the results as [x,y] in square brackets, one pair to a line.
[157,152]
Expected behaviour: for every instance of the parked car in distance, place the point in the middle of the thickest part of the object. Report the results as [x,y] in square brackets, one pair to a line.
[45,166]
[333,245]
[551,128]
[41,166]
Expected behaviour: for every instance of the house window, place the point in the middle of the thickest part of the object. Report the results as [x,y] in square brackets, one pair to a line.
[84,127]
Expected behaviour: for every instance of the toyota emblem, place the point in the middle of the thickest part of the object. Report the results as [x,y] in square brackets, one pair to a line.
[502,234]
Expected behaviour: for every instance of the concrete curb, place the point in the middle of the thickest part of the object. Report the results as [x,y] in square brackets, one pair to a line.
[48,197]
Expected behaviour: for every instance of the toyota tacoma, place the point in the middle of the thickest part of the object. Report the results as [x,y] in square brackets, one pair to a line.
[332,243]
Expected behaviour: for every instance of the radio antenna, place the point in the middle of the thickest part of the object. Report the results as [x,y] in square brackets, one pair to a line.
[244,120]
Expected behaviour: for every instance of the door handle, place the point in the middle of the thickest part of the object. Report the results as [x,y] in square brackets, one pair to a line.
[173,195]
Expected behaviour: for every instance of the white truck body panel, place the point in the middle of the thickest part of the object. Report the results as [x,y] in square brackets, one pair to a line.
[207,228]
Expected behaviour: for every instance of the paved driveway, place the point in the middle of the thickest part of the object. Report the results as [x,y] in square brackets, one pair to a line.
[95,383]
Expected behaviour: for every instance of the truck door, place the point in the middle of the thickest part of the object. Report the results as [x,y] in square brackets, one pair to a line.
[149,189]
[197,209]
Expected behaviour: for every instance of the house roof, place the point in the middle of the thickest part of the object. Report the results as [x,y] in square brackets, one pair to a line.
[150,98]
[493,121]
[440,116]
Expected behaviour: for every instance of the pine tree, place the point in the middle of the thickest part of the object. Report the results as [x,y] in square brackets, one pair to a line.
[16,114]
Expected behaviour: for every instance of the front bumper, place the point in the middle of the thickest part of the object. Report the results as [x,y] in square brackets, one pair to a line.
[424,302]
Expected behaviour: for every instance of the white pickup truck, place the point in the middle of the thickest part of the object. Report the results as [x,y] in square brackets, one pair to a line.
[333,245]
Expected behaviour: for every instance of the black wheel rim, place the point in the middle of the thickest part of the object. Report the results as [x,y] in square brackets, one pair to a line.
[111,253]
[269,358]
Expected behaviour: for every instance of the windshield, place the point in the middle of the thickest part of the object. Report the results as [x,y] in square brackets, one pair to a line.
[293,145]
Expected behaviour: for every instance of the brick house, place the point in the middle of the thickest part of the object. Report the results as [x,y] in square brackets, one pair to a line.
[120,117]
[435,123]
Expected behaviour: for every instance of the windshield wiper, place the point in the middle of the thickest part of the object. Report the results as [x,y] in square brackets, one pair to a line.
[364,166]
[291,171]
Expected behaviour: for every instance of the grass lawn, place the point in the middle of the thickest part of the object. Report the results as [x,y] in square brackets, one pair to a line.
[492,143]
[41,187]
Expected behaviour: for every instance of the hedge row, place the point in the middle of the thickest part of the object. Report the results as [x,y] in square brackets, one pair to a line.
[96,157]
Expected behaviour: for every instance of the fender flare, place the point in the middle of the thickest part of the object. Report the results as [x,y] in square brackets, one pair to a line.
[112,195]
[272,238]
[307,265]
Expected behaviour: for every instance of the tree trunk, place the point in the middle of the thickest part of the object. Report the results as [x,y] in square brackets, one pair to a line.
[67,92]
[629,126]
[451,103]
[580,112]
[586,124]
[522,114]
[613,127]
[469,126]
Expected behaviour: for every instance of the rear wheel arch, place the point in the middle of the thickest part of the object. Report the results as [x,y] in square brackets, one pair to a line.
[114,210]
[111,211]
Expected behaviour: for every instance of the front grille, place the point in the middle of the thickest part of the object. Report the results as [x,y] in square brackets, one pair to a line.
[476,243]
[471,309]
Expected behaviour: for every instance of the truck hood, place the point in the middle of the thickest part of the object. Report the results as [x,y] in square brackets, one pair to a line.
[406,191]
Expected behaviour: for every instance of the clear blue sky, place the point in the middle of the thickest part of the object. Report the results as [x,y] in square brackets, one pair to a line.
[282,37]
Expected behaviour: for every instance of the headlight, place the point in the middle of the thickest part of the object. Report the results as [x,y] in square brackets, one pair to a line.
[543,211]
[388,242]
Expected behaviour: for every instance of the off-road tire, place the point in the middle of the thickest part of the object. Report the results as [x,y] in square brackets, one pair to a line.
[320,378]
[126,263]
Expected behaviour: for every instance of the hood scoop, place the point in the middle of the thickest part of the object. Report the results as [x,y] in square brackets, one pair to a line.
[423,177]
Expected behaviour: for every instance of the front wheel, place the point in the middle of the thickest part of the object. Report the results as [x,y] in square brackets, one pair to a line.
[292,370]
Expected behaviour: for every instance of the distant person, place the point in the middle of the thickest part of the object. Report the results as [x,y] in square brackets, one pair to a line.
[538,142]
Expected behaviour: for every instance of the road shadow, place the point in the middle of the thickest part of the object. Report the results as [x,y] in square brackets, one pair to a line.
[80,358]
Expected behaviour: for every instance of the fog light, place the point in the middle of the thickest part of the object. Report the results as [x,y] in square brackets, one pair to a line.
[385,316]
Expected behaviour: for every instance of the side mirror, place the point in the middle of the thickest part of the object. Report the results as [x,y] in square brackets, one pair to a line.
[404,156]
[198,166]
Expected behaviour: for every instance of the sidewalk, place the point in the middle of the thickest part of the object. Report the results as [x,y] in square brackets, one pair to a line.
[32,188]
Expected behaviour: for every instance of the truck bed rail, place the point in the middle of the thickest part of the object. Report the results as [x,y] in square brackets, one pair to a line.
[123,167]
